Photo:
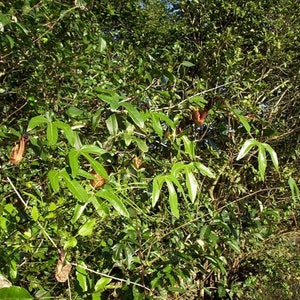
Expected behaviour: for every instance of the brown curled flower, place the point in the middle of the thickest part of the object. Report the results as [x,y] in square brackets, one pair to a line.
[62,269]
[17,152]
[98,182]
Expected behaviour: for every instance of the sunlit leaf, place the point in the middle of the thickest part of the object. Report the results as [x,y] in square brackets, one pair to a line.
[52,134]
[247,146]
[53,176]
[134,114]
[102,283]
[192,185]
[114,201]
[173,199]
[262,161]
[36,121]
[87,228]
[272,154]
[112,124]
[205,170]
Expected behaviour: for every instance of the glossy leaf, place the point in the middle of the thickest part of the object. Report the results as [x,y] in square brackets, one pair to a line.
[114,201]
[247,146]
[272,154]
[87,228]
[173,199]
[36,121]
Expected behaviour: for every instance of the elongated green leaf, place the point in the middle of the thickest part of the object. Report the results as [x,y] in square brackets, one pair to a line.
[36,121]
[156,188]
[205,170]
[52,134]
[112,125]
[156,125]
[189,146]
[69,133]
[192,185]
[134,114]
[73,161]
[199,100]
[102,283]
[176,168]
[245,122]
[87,228]
[75,188]
[166,119]
[141,144]
[78,211]
[247,146]
[187,64]
[174,180]
[272,154]
[81,276]
[114,201]
[294,189]
[99,169]
[92,149]
[113,101]
[34,213]
[173,199]
[262,161]
[53,176]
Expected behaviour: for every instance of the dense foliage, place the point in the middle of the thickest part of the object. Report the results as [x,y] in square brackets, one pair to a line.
[163,149]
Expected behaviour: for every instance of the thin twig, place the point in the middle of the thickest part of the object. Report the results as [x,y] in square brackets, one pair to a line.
[28,208]
[112,277]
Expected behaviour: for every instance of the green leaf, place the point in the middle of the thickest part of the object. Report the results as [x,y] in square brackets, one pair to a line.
[189,146]
[75,188]
[192,185]
[176,168]
[53,176]
[102,283]
[99,169]
[156,125]
[198,100]
[73,161]
[156,188]
[134,114]
[87,228]
[36,121]
[247,146]
[14,293]
[173,199]
[262,161]
[74,112]
[69,133]
[34,213]
[52,134]
[294,189]
[102,44]
[92,149]
[70,243]
[166,119]
[141,144]
[272,154]
[187,64]
[78,211]
[204,170]
[245,122]
[114,201]
[82,277]
[112,124]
